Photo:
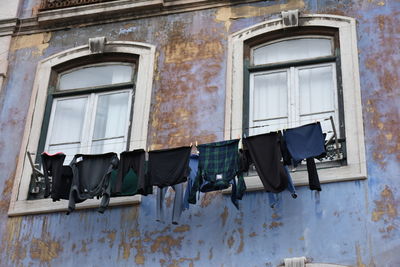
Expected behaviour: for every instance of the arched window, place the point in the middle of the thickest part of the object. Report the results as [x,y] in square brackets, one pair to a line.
[280,77]
[85,102]
[293,81]
[90,110]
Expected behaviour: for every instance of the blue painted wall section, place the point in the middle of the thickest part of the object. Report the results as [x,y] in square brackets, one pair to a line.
[351,223]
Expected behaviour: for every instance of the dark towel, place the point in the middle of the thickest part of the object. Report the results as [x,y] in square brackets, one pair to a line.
[168,167]
[266,155]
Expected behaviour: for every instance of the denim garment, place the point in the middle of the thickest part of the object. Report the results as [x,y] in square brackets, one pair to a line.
[177,206]
[273,198]
[193,164]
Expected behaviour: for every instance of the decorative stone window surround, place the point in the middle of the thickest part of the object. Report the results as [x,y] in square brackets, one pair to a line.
[19,204]
[356,166]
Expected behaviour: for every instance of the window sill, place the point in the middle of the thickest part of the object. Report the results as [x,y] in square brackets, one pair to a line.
[300,178]
[40,206]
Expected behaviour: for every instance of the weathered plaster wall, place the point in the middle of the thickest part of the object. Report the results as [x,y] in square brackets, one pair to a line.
[351,223]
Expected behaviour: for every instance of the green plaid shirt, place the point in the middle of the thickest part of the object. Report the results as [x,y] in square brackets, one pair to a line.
[218,166]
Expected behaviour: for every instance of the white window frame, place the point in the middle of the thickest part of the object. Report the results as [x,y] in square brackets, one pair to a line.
[89,119]
[356,166]
[293,91]
[19,205]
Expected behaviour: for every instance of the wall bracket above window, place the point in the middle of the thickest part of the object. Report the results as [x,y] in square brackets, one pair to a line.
[97,44]
[290,18]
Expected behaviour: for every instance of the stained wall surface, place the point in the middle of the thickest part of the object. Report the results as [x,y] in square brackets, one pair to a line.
[351,223]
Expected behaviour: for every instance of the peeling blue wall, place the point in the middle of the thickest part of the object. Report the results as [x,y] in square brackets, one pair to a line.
[350,223]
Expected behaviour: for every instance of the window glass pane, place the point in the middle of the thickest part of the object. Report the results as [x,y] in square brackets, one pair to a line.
[68,120]
[96,76]
[269,102]
[316,85]
[270,96]
[111,115]
[69,150]
[116,145]
[295,49]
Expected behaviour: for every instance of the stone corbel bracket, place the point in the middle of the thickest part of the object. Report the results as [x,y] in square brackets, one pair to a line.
[290,18]
[97,44]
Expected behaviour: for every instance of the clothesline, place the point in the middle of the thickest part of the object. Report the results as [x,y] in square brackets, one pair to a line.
[266,125]
[219,167]
[138,140]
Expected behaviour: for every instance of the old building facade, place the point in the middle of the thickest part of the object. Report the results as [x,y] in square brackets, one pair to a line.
[169,73]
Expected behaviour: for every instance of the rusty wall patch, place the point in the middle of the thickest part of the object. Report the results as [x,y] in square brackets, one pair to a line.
[228,14]
[37,42]
[6,194]
[386,207]
[224,216]
[382,112]
[182,228]
[186,76]
[46,248]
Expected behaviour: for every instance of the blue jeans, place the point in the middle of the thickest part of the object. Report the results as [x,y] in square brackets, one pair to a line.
[273,198]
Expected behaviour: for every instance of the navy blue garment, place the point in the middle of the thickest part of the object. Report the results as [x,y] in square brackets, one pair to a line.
[193,164]
[306,142]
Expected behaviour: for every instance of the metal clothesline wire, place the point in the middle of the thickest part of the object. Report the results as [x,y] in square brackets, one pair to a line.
[138,140]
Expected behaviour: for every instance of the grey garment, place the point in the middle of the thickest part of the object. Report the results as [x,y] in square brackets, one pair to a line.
[177,208]
[91,178]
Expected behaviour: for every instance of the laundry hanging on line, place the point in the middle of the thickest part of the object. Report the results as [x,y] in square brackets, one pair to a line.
[220,165]
[306,142]
[218,168]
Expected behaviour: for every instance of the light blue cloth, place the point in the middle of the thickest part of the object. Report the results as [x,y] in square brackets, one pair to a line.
[193,164]
[177,206]
[273,198]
